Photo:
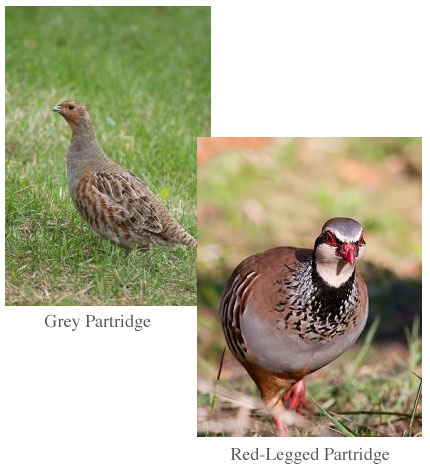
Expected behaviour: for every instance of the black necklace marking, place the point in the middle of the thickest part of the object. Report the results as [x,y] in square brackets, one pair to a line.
[316,310]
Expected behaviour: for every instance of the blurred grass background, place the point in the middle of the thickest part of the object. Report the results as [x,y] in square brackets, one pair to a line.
[144,75]
[257,193]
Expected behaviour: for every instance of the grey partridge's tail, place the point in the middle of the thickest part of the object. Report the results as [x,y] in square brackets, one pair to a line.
[187,239]
[173,232]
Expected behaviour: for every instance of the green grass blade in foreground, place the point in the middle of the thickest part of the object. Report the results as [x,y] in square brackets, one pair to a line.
[413,339]
[362,354]
[414,410]
[218,378]
[377,412]
[342,428]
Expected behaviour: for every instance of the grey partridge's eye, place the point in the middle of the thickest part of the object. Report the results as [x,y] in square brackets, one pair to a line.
[71,107]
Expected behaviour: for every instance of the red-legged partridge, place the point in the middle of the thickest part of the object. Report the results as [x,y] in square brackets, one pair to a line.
[287,312]
[112,200]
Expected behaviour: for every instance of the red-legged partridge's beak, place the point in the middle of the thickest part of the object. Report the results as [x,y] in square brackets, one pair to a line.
[348,252]
[57,108]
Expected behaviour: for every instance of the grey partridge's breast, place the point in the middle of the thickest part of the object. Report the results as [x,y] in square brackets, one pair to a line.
[275,316]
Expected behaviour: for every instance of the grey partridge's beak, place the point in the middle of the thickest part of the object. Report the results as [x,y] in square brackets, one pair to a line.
[57,108]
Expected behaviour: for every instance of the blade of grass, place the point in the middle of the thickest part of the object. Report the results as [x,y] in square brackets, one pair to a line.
[418,376]
[376,412]
[414,342]
[417,398]
[366,345]
[344,429]
[217,379]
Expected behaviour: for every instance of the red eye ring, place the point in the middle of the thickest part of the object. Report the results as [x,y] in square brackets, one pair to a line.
[330,239]
[361,240]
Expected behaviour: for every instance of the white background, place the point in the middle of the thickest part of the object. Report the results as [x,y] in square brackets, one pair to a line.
[119,398]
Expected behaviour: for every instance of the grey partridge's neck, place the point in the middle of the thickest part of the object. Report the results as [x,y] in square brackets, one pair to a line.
[83,135]
[84,148]
[84,155]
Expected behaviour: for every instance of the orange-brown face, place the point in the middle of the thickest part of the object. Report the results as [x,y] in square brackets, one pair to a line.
[72,111]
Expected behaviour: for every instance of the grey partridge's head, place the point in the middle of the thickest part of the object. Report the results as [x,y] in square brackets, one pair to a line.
[74,112]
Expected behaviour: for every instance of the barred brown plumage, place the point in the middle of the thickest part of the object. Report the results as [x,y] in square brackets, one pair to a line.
[112,200]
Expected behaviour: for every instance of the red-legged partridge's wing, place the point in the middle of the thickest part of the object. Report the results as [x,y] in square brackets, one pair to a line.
[232,307]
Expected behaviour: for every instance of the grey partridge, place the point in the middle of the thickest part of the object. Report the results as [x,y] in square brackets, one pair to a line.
[112,200]
[287,312]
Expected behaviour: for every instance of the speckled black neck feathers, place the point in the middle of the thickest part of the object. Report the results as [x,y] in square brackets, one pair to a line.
[334,302]
[317,311]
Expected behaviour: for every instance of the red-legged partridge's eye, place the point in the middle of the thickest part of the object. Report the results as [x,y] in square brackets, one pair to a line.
[330,239]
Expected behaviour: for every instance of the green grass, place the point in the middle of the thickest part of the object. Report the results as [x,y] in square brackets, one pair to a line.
[144,74]
[377,149]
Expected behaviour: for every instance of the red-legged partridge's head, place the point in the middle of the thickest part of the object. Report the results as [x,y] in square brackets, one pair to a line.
[73,112]
[338,248]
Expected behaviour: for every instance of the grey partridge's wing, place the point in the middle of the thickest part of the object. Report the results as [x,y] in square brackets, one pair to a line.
[128,201]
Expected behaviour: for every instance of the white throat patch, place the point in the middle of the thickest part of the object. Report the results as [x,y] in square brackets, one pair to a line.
[332,269]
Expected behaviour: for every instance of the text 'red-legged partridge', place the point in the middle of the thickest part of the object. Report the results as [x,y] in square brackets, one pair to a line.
[112,200]
[287,312]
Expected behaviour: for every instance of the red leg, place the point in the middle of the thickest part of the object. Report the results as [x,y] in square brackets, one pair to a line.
[296,396]
[278,417]
[280,427]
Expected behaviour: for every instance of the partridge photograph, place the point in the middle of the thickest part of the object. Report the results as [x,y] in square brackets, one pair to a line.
[103,108]
[309,287]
